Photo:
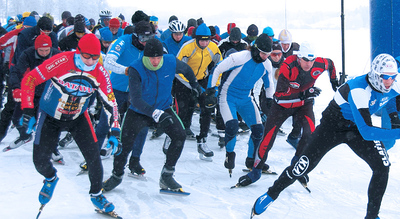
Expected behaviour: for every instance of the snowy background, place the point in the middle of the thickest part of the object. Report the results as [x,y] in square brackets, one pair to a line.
[339,183]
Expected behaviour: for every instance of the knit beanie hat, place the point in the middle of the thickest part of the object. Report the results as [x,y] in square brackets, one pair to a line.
[269,31]
[276,46]
[45,23]
[236,34]
[114,23]
[172,18]
[263,43]
[143,27]
[106,35]
[203,32]
[153,48]
[43,41]
[121,16]
[252,30]
[65,15]
[139,16]
[89,44]
[30,21]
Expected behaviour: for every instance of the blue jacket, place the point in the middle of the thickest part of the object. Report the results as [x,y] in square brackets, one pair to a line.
[150,90]
[125,53]
[115,36]
[172,46]
[358,101]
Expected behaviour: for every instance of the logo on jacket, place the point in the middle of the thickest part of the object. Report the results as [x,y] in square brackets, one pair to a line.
[294,85]
[54,64]
[316,73]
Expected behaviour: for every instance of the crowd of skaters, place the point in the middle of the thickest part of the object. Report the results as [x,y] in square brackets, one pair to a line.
[234,78]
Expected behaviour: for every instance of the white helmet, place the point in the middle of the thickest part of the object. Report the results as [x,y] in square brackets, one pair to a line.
[307,51]
[383,63]
[105,13]
[176,26]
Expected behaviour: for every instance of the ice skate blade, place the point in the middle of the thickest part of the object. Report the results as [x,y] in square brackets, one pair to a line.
[112,214]
[202,157]
[179,192]
[139,177]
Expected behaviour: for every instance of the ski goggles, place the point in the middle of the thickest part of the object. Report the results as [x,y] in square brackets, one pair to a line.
[387,77]
[88,56]
[145,37]
[275,54]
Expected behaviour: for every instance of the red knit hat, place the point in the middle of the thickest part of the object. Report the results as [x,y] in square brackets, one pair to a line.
[114,23]
[89,44]
[43,41]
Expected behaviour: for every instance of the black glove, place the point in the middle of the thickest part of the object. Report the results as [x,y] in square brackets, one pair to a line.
[335,84]
[394,119]
[196,91]
[309,93]
[210,100]
[28,120]
[163,119]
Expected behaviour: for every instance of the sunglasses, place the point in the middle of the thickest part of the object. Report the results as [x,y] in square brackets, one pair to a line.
[387,77]
[275,54]
[308,59]
[88,56]
[145,38]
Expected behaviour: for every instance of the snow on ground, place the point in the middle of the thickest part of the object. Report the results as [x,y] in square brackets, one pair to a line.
[339,183]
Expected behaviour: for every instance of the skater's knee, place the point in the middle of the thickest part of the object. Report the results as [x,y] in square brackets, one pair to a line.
[232,127]
[257,131]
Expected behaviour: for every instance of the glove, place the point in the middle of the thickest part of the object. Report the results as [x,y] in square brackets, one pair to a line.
[210,100]
[28,120]
[114,142]
[251,177]
[17,95]
[394,119]
[335,84]
[162,118]
[126,71]
[310,93]
[196,91]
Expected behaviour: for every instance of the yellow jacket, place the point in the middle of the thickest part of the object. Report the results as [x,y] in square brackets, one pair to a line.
[199,59]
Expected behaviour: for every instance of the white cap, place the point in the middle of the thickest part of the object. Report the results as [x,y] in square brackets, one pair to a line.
[285,37]
[306,50]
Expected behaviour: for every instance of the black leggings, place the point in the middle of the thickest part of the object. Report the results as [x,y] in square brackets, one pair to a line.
[46,139]
[133,123]
[332,131]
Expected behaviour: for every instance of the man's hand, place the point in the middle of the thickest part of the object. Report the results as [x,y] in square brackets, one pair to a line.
[310,93]
[17,95]
[28,120]
[335,84]
[164,119]
[114,142]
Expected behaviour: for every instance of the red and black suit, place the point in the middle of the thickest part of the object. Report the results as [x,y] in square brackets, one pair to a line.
[292,82]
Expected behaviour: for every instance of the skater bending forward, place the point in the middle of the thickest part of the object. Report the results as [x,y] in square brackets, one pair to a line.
[150,84]
[347,119]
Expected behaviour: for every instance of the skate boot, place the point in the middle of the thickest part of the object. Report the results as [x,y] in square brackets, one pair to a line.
[47,190]
[166,144]
[101,203]
[84,168]
[66,140]
[19,142]
[167,181]
[261,204]
[204,152]
[249,163]
[57,157]
[230,161]
[221,140]
[135,167]
[189,134]
[293,141]
[112,182]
